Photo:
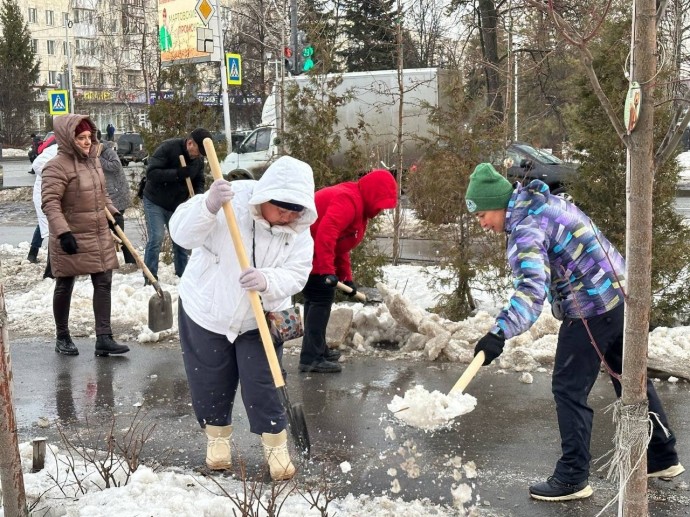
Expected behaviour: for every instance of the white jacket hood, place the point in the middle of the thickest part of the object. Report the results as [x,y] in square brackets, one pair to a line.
[290,180]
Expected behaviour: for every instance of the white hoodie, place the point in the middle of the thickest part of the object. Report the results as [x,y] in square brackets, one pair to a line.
[48,154]
[209,289]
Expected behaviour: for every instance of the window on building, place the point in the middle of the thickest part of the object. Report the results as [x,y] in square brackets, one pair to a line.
[85,78]
[101,79]
[132,80]
[52,77]
[50,47]
[32,15]
[50,18]
[34,45]
[77,18]
[65,19]
[64,48]
[77,46]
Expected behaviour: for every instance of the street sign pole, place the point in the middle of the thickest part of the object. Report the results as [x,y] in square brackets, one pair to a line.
[224,81]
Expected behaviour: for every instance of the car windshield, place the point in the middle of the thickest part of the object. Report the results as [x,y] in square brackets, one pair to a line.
[542,156]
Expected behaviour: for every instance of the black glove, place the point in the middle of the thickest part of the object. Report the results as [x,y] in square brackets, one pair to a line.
[491,345]
[119,220]
[351,284]
[68,243]
[183,172]
[330,280]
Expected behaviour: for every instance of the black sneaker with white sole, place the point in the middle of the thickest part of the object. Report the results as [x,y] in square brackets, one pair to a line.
[555,490]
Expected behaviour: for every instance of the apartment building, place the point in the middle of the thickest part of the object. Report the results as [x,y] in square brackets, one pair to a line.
[109,43]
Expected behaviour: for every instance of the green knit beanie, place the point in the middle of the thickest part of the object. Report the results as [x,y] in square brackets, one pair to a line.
[488,190]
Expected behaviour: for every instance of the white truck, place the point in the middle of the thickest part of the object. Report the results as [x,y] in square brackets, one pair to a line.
[375,101]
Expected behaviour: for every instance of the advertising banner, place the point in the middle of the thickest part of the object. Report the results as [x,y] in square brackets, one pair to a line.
[186,31]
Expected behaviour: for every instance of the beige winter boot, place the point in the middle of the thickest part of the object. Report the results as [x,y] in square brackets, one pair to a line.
[277,456]
[218,453]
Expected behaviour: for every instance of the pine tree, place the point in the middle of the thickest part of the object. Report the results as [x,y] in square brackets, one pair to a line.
[370,35]
[18,75]
[601,179]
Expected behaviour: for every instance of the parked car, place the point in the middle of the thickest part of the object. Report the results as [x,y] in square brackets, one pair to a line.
[529,163]
[130,148]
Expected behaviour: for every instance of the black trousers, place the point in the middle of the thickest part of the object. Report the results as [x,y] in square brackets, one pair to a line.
[575,370]
[62,298]
[318,299]
[215,367]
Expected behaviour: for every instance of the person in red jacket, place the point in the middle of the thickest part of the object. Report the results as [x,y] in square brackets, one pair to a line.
[344,210]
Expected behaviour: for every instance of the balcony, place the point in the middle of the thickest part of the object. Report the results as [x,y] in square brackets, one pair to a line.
[85,4]
[84,30]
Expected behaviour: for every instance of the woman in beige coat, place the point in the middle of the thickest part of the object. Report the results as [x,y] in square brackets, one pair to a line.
[74,199]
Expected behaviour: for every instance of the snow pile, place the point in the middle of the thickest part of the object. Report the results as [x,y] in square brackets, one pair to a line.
[69,486]
[684,162]
[10,152]
[430,411]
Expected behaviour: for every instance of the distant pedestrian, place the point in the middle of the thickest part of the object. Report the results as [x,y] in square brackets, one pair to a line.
[110,132]
[344,213]
[556,251]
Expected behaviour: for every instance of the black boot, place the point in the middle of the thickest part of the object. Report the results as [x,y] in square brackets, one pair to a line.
[48,273]
[33,255]
[106,345]
[65,346]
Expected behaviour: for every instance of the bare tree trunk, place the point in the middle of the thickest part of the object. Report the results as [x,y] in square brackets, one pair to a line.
[397,215]
[489,32]
[13,495]
[633,502]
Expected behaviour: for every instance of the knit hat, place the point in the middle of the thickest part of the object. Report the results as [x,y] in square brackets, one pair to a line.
[488,190]
[198,136]
[83,125]
[287,206]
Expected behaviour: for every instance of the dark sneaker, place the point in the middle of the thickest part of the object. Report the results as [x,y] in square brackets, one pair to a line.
[65,346]
[320,367]
[554,490]
[106,345]
[668,473]
[331,355]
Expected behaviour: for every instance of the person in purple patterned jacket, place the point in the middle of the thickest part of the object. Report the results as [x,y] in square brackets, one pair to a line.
[557,253]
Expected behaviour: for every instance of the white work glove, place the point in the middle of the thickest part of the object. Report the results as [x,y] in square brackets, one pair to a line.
[252,279]
[219,193]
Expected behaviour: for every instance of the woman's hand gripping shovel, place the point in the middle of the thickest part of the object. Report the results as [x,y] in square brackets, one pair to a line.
[160,304]
[295,413]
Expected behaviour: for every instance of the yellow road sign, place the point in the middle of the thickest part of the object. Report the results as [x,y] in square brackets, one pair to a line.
[234,66]
[58,102]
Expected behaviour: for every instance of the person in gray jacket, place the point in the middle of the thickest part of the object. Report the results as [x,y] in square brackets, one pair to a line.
[219,334]
[116,184]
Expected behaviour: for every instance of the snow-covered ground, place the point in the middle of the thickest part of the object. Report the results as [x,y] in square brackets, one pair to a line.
[409,290]
[684,162]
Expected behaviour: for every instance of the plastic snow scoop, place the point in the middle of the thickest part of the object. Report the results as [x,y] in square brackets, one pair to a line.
[160,304]
[183,163]
[295,412]
[469,373]
[372,295]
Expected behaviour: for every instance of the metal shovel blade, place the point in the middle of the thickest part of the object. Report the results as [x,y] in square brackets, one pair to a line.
[296,422]
[160,312]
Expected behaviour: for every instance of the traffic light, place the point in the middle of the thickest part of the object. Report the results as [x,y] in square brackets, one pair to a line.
[289,57]
[305,54]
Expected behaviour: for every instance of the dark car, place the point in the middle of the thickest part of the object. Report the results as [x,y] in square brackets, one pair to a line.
[130,148]
[529,163]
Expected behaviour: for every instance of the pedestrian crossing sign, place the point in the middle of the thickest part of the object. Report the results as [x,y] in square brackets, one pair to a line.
[234,66]
[58,103]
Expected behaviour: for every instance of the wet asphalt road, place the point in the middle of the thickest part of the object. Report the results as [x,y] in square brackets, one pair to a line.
[511,435]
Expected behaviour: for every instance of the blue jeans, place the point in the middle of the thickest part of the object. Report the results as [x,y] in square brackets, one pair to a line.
[157,219]
[37,240]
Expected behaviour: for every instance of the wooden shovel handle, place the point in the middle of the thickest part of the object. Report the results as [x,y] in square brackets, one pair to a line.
[189,181]
[137,258]
[347,289]
[469,373]
[244,264]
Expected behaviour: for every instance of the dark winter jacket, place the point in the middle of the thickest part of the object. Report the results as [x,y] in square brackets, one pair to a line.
[556,251]
[344,211]
[115,178]
[163,185]
[74,198]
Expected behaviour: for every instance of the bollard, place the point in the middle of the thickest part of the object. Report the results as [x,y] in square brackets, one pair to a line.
[39,454]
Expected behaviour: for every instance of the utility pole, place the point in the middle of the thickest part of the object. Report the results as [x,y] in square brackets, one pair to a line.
[293,33]
[224,80]
[69,25]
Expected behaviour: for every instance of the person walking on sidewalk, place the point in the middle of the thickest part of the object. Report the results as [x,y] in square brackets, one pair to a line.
[166,189]
[221,345]
[555,250]
[41,231]
[344,212]
[74,199]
